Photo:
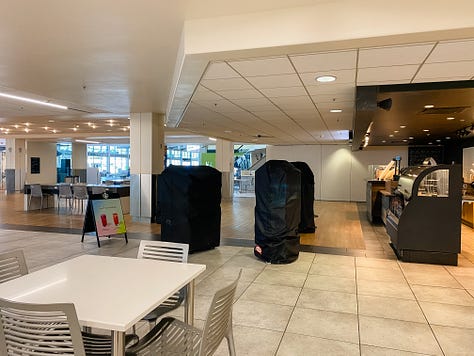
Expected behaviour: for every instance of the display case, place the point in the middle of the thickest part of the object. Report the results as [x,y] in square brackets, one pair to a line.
[423,219]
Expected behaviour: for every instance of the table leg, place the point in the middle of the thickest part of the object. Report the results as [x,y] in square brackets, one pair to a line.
[118,343]
[189,307]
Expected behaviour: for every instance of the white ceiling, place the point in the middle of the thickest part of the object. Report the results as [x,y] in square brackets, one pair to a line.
[278,101]
[106,59]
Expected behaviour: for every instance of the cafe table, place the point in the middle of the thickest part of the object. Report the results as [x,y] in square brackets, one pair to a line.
[110,293]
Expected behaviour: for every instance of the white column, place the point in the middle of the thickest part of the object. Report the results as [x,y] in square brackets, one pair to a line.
[15,161]
[225,164]
[146,162]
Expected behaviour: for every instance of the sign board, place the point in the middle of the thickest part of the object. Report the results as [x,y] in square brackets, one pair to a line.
[104,216]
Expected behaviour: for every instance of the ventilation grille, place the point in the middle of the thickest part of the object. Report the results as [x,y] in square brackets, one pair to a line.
[445,110]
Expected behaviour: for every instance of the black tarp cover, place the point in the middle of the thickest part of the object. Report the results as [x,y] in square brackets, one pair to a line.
[307,198]
[190,199]
[277,212]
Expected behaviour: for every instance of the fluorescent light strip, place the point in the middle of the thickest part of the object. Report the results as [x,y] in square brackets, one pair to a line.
[33,101]
[86,141]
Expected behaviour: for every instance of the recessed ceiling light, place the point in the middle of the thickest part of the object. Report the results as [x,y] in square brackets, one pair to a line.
[405,140]
[438,140]
[109,130]
[227,131]
[335,110]
[429,106]
[426,130]
[390,135]
[212,139]
[403,126]
[16,126]
[450,118]
[74,128]
[46,128]
[462,120]
[411,138]
[430,143]
[27,130]
[383,141]
[50,120]
[396,131]
[54,131]
[326,78]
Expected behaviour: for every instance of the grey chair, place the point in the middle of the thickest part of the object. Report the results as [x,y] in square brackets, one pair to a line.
[80,195]
[12,265]
[65,192]
[164,251]
[39,329]
[37,192]
[173,337]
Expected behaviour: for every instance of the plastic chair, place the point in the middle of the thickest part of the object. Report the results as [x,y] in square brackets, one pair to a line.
[65,192]
[12,265]
[39,329]
[173,337]
[37,192]
[164,251]
[80,195]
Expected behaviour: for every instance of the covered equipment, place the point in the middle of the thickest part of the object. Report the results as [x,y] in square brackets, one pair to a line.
[277,212]
[307,198]
[190,199]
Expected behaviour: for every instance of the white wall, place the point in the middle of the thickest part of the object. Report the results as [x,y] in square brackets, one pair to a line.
[339,173]
[46,151]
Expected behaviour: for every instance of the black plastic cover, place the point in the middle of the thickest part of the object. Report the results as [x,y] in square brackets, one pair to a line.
[277,212]
[307,224]
[190,204]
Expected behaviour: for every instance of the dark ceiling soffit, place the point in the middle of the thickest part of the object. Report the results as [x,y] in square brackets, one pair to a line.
[462,84]
[366,105]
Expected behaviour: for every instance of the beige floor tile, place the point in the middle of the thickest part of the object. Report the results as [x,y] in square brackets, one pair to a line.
[295,267]
[420,267]
[324,269]
[261,315]
[386,289]
[302,345]
[291,279]
[461,271]
[455,341]
[250,341]
[326,300]
[247,261]
[330,283]
[449,315]
[209,286]
[306,256]
[324,324]
[274,294]
[338,260]
[368,350]
[434,277]
[396,334]
[443,295]
[466,281]
[391,308]
[231,272]
[376,274]
[377,263]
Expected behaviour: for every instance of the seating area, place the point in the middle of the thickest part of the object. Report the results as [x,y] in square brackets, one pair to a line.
[52,328]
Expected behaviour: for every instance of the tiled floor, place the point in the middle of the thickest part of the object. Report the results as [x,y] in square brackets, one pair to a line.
[322,304]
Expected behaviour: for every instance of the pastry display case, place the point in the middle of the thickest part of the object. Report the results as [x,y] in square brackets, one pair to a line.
[423,219]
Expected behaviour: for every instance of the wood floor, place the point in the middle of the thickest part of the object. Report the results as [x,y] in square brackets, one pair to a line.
[342,227]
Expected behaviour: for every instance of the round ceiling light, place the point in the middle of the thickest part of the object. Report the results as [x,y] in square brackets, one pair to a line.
[429,106]
[326,78]
[335,110]
[450,118]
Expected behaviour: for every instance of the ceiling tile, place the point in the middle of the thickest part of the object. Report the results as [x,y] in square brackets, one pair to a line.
[290,91]
[322,62]
[299,114]
[382,74]
[268,114]
[452,52]
[295,102]
[333,89]
[220,70]
[334,98]
[396,55]
[261,67]
[342,76]
[275,81]
[241,94]
[463,69]
[226,84]
[254,103]
[204,94]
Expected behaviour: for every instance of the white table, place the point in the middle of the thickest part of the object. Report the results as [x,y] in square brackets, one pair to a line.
[109,293]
